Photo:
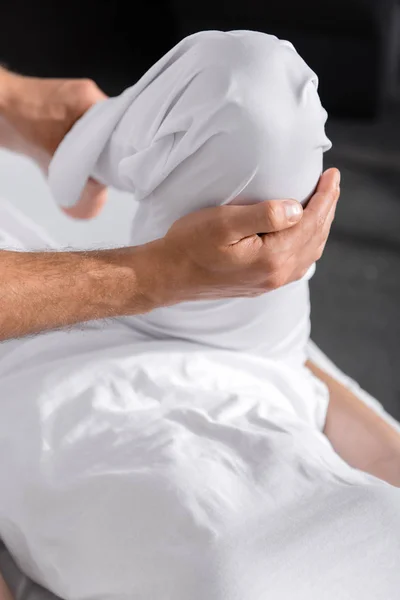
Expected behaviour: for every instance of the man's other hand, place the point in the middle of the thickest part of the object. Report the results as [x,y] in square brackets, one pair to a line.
[35,116]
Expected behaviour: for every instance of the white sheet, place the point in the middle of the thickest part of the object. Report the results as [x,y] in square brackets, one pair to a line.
[139,465]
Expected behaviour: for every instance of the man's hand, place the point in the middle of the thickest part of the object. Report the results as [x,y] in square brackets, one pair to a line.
[235,251]
[215,253]
[35,116]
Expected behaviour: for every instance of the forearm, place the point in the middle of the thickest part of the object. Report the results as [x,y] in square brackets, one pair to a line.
[46,290]
[358,434]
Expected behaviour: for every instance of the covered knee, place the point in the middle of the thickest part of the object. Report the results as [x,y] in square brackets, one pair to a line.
[281,117]
[247,118]
[222,115]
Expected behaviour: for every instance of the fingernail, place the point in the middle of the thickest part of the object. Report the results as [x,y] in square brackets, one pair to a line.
[337,179]
[293,210]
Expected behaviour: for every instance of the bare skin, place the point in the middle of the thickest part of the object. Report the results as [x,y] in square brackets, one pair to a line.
[4,591]
[213,254]
[36,114]
[358,434]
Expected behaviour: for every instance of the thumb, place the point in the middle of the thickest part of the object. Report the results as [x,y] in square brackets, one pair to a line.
[325,197]
[264,217]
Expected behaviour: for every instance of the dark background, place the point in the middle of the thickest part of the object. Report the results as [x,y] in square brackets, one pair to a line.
[353,45]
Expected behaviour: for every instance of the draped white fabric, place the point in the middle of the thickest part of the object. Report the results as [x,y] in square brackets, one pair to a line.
[179,455]
[222,116]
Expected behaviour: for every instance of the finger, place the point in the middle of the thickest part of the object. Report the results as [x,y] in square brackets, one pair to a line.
[86,93]
[323,201]
[317,217]
[320,250]
[90,203]
[316,246]
[329,181]
[265,217]
[328,223]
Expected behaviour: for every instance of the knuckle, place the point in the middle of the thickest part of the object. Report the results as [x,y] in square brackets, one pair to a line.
[88,85]
[87,91]
[317,229]
[274,213]
[320,221]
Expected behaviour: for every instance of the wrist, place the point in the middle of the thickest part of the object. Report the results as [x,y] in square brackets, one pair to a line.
[136,281]
[159,275]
